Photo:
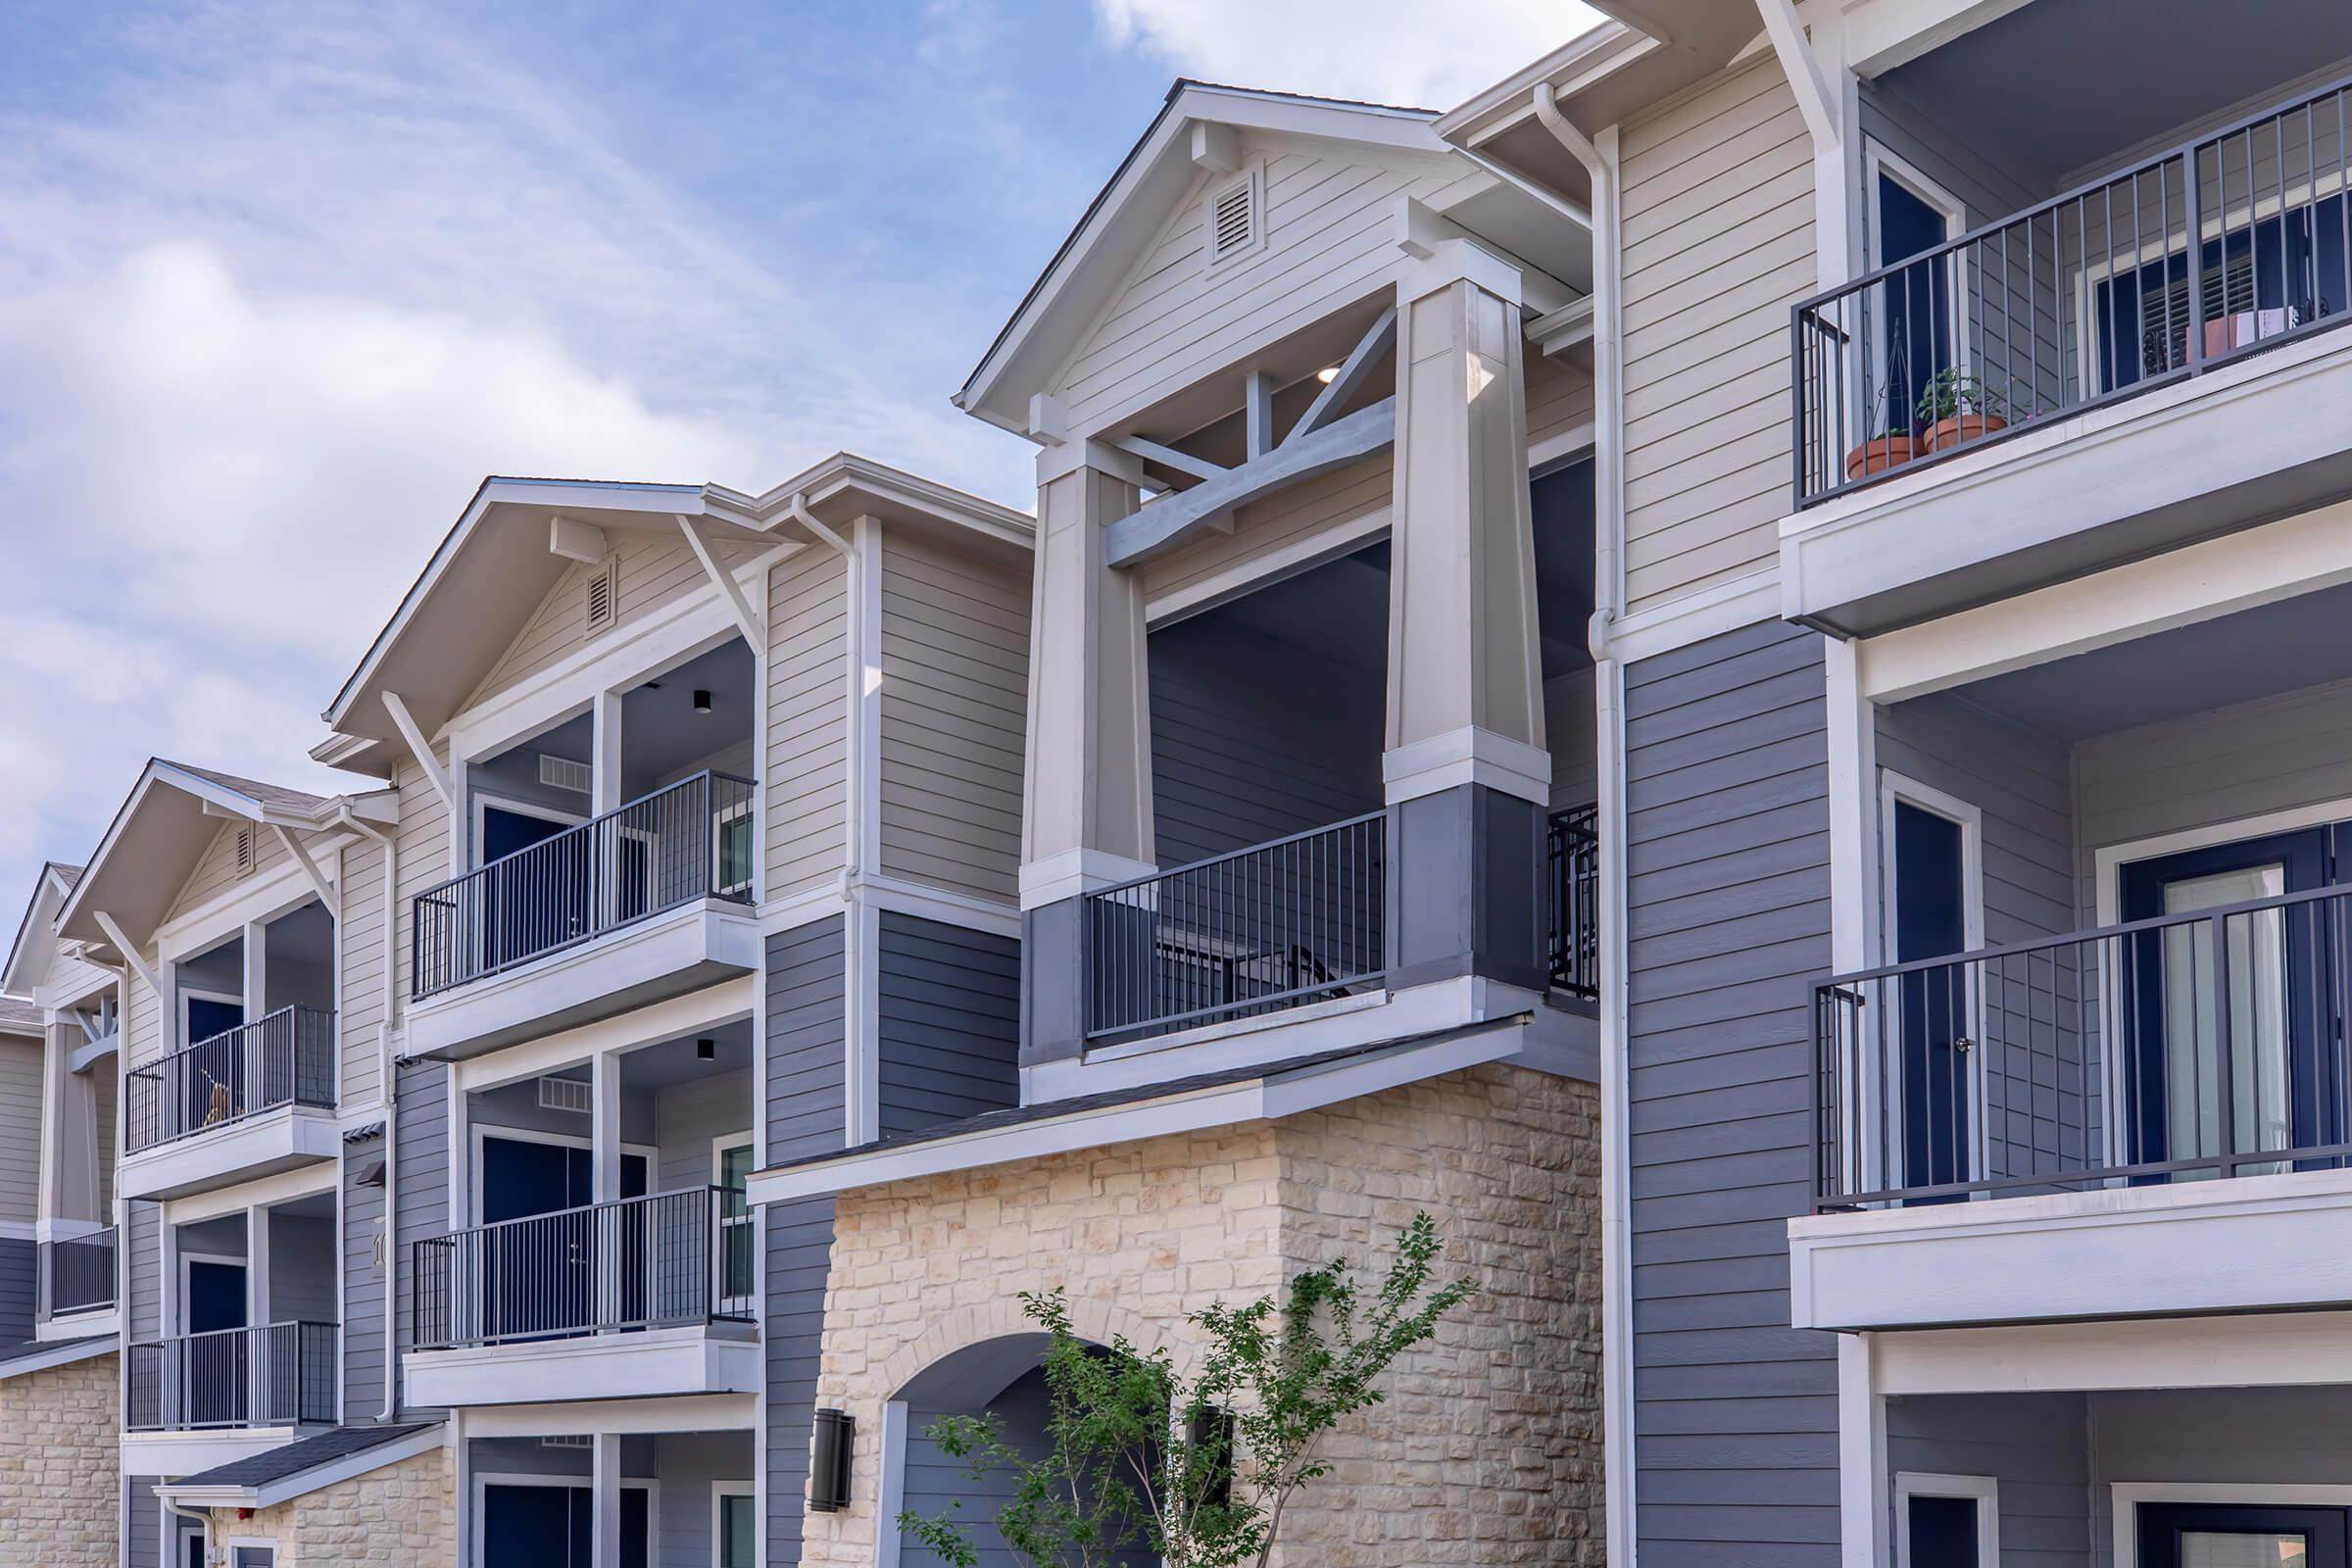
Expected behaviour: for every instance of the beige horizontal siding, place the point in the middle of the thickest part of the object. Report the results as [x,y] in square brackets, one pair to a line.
[1559,396]
[1290,519]
[423,860]
[360,949]
[954,684]
[1717,245]
[1328,229]
[216,869]
[20,1128]
[656,571]
[805,777]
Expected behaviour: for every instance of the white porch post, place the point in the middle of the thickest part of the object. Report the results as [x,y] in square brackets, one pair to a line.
[1465,698]
[604,1126]
[1862,1484]
[257,969]
[1086,816]
[604,1482]
[605,752]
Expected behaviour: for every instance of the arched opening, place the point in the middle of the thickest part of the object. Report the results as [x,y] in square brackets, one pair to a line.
[1003,1378]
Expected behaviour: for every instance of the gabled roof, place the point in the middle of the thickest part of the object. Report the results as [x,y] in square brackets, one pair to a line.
[35,939]
[1111,234]
[263,1480]
[493,568]
[163,826]
[39,1355]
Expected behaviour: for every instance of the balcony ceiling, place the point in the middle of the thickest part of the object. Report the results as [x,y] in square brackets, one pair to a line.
[2059,89]
[2192,670]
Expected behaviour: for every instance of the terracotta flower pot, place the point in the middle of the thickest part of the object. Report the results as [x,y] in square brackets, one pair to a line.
[1879,455]
[1959,430]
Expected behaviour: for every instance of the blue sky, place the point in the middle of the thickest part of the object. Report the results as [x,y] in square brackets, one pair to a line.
[279,282]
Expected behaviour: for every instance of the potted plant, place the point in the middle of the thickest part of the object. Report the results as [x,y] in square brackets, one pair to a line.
[1955,409]
[1880,453]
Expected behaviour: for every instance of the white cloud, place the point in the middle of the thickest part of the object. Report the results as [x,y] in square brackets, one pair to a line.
[1386,51]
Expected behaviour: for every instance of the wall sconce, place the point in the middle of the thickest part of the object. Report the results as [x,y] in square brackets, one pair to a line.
[829,1461]
[702,701]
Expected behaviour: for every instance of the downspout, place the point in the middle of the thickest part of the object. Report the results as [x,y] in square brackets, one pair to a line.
[1619,1475]
[202,1519]
[387,1086]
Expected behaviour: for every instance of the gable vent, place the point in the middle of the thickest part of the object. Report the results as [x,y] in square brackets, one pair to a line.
[562,774]
[1233,219]
[567,1094]
[244,851]
[600,599]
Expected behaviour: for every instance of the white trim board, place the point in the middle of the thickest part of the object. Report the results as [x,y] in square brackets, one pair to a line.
[1986,1491]
[483,1480]
[721,1491]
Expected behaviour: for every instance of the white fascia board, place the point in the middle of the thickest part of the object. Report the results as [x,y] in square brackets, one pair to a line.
[1276,1095]
[845,472]
[305,1482]
[64,1354]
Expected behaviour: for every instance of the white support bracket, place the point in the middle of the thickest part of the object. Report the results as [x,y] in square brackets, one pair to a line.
[1169,457]
[309,868]
[1376,341]
[753,622]
[435,773]
[129,948]
[1814,99]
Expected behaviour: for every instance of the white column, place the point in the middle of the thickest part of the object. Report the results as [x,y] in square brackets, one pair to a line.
[605,752]
[1862,1489]
[50,1198]
[1465,681]
[257,1265]
[605,1125]
[257,969]
[1086,814]
[605,1479]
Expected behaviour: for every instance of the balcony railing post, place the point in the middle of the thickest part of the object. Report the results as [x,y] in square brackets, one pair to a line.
[2225,1048]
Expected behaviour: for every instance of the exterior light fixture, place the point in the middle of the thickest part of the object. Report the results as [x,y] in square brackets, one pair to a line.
[829,1461]
[1328,375]
[706,1049]
[702,701]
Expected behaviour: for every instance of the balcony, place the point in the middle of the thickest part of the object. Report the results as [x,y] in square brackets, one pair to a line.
[646,901]
[2135,364]
[245,1103]
[627,1299]
[77,1275]
[281,1376]
[2144,1118]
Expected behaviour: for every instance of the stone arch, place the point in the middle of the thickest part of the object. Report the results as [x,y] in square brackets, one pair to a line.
[1001,1318]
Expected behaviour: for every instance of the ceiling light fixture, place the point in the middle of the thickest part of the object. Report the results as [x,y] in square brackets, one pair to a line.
[706,1048]
[702,701]
[1328,375]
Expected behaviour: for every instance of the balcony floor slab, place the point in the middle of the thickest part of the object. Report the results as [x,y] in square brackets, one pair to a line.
[261,1145]
[655,1363]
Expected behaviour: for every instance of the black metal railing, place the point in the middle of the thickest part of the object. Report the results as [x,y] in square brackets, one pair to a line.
[283,1374]
[286,1057]
[693,839]
[2176,1047]
[2080,300]
[1273,927]
[77,1273]
[1572,931]
[662,1261]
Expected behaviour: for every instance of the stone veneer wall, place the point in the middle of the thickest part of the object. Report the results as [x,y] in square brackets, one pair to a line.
[403,1513]
[61,1454]
[1489,1448]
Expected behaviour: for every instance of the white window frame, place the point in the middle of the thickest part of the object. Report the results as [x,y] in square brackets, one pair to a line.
[2107,882]
[222,1260]
[188,993]
[2126,1496]
[485,802]
[1985,1491]
[749,810]
[484,1479]
[720,1491]
[239,1546]
[1881,1055]
[479,1131]
[719,1145]
[1880,160]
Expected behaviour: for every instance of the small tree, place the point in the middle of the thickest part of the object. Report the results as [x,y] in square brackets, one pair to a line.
[1143,1463]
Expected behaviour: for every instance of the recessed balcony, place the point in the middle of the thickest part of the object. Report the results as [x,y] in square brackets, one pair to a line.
[2139,363]
[646,902]
[640,1297]
[247,1102]
[77,1279]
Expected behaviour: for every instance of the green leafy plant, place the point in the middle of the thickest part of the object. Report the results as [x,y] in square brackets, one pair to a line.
[1143,1463]
[1950,393]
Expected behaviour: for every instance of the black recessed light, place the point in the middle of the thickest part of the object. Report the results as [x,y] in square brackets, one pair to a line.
[706,1048]
[702,701]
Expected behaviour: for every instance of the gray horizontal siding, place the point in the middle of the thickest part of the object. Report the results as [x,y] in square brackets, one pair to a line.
[1728,925]
[2034,1444]
[422,1193]
[363,1284]
[951,1022]
[19,1270]
[143,1263]
[806,1103]
[142,1523]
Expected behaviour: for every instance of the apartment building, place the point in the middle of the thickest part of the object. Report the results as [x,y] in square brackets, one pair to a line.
[1306,866]
[1972,541]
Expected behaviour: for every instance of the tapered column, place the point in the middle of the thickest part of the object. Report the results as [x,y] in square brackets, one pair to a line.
[1087,806]
[1466,770]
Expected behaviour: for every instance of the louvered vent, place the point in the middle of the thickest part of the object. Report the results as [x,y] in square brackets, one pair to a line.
[562,774]
[601,602]
[567,1094]
[1233,219]
[244,850]
[568,1442]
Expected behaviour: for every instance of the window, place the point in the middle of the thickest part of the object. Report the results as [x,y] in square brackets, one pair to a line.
[252,1555]
[1935,907]
[1946,1521]
[1918,319]
[731,849]
[736,1252]
[735,1535]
